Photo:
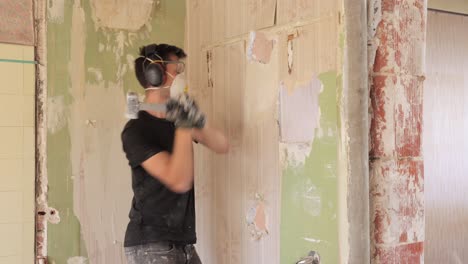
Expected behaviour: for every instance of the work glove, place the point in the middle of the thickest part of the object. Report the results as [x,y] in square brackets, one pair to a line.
[184,112]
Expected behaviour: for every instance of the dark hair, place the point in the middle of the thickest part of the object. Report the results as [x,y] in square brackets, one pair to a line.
[162,50]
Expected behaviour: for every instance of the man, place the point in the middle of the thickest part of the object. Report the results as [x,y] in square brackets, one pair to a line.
[159,148]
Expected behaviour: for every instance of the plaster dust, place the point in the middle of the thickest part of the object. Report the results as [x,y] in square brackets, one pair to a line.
[122,14]
[95,149]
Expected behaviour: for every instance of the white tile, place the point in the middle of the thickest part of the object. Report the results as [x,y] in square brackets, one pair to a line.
[11,142]
[11,206]
[11,77]
[27,184]
[28,142]
[11,174]
[11,112]
[11,260]
[28,111]
[28,242]
[29,79]
[28,53]
[12,245]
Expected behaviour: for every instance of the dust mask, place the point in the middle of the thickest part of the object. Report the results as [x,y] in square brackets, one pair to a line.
[179,85]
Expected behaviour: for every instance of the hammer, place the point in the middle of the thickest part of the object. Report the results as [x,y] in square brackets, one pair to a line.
[134,106]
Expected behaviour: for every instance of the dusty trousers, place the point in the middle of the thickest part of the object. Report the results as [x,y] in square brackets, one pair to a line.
[162,253]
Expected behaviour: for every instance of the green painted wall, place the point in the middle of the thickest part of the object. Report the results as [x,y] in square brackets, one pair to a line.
[457,6]
[166,25]
[302,231]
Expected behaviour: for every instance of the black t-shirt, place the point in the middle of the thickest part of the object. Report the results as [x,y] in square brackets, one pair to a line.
[157,213]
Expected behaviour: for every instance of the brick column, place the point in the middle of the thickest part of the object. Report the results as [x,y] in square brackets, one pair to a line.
[396,163]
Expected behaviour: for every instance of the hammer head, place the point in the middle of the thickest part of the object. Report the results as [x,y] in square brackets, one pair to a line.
[133,106]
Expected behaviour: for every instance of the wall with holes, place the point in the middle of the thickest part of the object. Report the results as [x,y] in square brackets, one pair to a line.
[90,53]
[269,74]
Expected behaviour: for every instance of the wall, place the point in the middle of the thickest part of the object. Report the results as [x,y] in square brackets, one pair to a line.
[91,46]
[457,6]
[269,73]
[445,143]
[16,153]
[17,120]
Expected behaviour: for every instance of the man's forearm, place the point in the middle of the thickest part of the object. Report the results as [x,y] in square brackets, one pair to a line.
[181,162]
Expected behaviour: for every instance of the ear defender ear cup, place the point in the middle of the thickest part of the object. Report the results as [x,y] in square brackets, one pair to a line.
[154,74]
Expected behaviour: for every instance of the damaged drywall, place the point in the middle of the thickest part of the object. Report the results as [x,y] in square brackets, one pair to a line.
[257,218]
[89,181]
[260,47]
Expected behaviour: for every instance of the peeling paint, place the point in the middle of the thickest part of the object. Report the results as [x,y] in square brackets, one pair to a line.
[294,154]
[86,162]
[55,11]
[121,14]
[260,47]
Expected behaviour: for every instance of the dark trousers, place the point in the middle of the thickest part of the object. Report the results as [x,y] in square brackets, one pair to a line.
[162,253]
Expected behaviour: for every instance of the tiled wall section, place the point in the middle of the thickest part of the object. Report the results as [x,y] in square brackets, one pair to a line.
[16,154]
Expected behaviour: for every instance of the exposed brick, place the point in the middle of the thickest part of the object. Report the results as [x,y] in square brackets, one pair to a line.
[408,116]
[382,125]
[397,201]
[400,254]
[401,39]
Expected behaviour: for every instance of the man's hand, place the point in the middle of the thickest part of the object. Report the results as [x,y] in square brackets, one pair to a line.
[184,112]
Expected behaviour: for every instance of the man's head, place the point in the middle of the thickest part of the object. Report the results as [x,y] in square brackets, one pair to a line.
[158,65]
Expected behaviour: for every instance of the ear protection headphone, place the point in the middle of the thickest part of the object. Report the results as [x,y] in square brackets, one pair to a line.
[155,70]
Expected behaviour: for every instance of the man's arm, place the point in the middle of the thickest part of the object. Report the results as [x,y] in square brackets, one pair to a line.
[174,170]
[211,138]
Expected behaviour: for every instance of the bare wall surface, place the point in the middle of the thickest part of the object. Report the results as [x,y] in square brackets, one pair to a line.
[445,143]
[91,48]
[457,6]
[16,22]
[270,74]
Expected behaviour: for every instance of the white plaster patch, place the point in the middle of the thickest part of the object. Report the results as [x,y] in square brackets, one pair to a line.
[56,119]
[316,241]
[77,260]
[55,11]
[52,215]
